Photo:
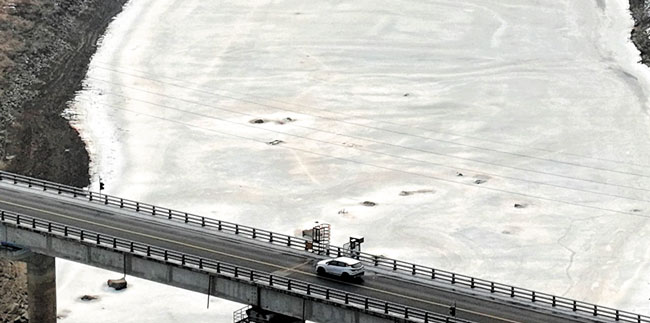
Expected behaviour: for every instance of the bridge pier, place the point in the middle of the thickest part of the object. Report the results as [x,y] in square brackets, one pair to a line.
[41,282]
[41,288]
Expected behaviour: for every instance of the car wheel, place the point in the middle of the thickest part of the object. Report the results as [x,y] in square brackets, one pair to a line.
[345,276]
[320,271]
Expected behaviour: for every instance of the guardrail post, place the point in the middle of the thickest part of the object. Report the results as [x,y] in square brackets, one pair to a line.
[426,317]
[533,296]
[271,237]
[236,271]
[169,214]
[166,256]
[137,206]
[114,243]
[82,235]
[219,225]
[394,264]
[289,284]
[595,310]
[148,251]
[471,284]
[59,190]
[327,293]
[385,308]
[183,259]
[153,210]
[49,227]
[406,312]
[271,283]
[44,188]
[2,215]
[98,235]
[218,267]
[121,203]
[512,291]
[33,223]
[413,272]
[575,306]
[347,298]
[366,303]
[90,196]
[202,221]
[74,193]
[201,264]
[453,278]
[308,289]
[187,218]
[131,247]
[338,251]
[375,260]
[553,303]
[29,183]
[288,241]
[17,219]
[236,228]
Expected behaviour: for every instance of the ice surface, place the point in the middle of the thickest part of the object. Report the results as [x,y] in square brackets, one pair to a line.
[542,101]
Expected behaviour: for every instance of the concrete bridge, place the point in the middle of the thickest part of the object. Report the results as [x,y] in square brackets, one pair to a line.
[40,220]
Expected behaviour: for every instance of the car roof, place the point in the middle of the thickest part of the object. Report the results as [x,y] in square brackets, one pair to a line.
[349,261]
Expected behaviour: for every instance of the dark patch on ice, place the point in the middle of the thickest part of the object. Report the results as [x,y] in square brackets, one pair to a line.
[636,210]
[634,84]
[520,205]
[480,181]
[408,193]
[282,121]
[88,298]
[459,174]
[601,4]
[274,142]
[407,94]
[506,232]
[343,211]
[368,203]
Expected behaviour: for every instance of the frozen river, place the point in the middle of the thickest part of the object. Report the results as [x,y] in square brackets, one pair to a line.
[535,103]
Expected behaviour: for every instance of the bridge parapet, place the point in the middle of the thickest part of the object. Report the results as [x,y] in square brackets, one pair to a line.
[266,291]
[406,269]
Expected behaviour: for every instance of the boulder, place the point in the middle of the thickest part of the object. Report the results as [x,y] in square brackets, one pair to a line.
[117,284]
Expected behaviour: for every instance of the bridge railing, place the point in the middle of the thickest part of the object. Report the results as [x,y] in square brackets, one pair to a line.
[226,270]
[407,268]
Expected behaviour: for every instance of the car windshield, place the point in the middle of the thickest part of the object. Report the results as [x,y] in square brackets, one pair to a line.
[357,265]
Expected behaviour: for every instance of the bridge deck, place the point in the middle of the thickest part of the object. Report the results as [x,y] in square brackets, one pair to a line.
[265,257]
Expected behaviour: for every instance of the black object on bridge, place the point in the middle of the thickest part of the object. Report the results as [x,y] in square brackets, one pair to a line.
[452,310]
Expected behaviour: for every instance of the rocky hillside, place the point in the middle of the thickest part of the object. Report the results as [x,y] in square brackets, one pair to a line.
[45,47]
[641,32]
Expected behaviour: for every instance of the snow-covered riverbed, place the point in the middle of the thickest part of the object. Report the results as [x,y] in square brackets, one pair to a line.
[542,103]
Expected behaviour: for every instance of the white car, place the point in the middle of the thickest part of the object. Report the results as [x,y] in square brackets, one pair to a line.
[343,267]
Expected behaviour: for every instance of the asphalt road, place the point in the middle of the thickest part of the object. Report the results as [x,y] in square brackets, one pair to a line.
[261,257]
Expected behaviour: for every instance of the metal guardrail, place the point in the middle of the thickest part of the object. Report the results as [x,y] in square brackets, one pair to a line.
[437,275]
[226,270]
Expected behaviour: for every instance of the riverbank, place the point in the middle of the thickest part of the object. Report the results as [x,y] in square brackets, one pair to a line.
[45,48]
[640,35]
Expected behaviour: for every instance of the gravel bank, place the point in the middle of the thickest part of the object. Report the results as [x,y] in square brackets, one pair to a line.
[45,48]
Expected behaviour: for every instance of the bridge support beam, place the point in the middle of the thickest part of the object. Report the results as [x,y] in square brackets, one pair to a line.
[256,314]
[41,288]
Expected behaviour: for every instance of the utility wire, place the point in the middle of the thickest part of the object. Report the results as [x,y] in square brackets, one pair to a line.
[380,166]
[383,143]
[110,68]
